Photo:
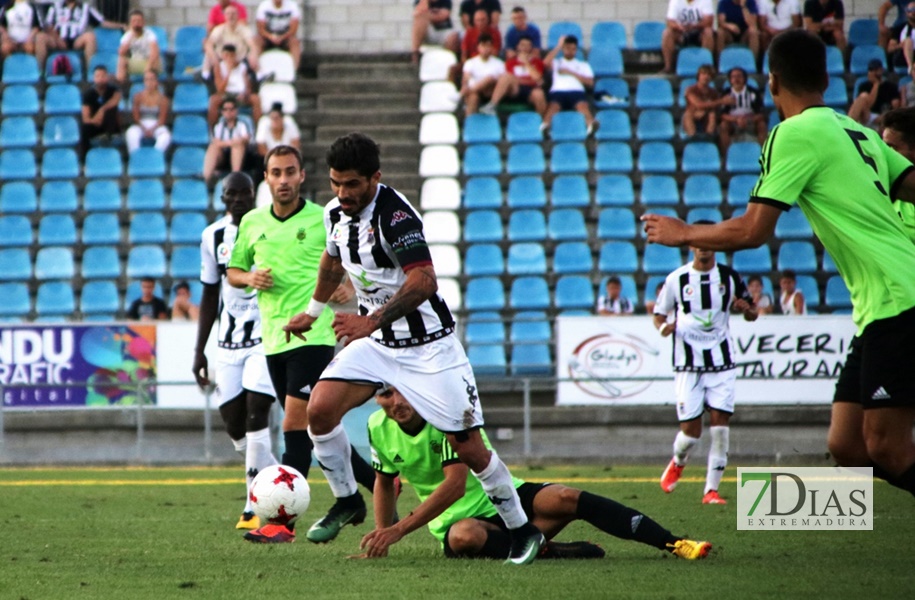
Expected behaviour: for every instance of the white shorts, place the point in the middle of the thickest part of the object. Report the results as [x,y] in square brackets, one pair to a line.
[242,369]
[438,36]
[436,378]
[695,391]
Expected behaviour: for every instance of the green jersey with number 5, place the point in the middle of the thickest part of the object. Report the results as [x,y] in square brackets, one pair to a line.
[843,176]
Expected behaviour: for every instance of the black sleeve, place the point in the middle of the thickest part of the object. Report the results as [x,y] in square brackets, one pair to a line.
[403,230]
[133,312]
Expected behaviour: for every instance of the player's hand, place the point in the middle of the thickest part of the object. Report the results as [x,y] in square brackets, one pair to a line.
[666,231]
[741,305]
[376,543]
[352,327]
[344,293]
[298,325]
[260,279]
[200,370]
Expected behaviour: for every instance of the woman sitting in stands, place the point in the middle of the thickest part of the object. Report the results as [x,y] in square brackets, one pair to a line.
[150,110]
[275,129]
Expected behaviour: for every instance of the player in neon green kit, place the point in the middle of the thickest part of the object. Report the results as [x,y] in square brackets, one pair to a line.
[842,176]
[277,253]
[463,519]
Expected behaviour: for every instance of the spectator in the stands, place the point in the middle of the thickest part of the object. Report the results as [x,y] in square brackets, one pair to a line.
[522,80]
[276,129]
[150,111]
[20,31]
[217,14]
[278,27]
[738,22]
[68,26]
[689,23]
[761,300]
[183,308]
[481,25]
[235,32]
[148,307]
[888,34]
[481,74]
[875,96]
[900,47]
[229,143]
[741,110]
[650,302]
[612,302]
[469,8]
[520,28]
[100,109]
[139,50]
[791,301]
[776,16]
[572,78]
[826,18]
[232,78]
[702,104]
[432,23]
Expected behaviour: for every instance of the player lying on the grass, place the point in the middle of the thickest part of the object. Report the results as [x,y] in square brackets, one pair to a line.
[459,514]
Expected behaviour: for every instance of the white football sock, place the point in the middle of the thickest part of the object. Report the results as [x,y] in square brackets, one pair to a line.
[257,457]
[333,453]
[717,456]
[682,446]
[241,445]
[497,483]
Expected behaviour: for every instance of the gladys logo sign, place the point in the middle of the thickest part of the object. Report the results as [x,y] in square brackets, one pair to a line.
[601,365]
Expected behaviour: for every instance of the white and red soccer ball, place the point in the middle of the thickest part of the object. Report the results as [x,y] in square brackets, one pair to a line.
[280,495]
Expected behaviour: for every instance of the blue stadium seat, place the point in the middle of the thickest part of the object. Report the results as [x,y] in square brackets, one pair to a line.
[62,99]
[797,256]
[689,60]
[660,260]
[103,163]
[701,157]
[616,224]
[487,359]
[60,163]
[837,294]
[617,257]
[481,129]
[655,125]
[646,37]
[561,28]
[685,84]
[654,92]
[17,265]
[133,292]
[55,298]
[743,157]
[18,197]
[807,284]
[861,55]
[606,61]
[568,126]
[146,261]
[863,32]
[611,92]
[736,56]
[99,297]
[530,326]
[523,127]
[529,293]
[482,192]
[704,213]
[613,157]
[16,301]
[484,259]
[572,257]
[147,228]
[104,58]
[76,66]
[567,224]
[108,40]
[570,191]
[483,226]
[569,158]
[657,157]
[835,63]
[190,130]
[702,190]
[101,195]
[608,33]
[482,159]
[20,68]
[146,194]
[15,230]
[17,164]
[101,228]
[614,126]
[525,159]
[101,262]
[753,260]
[526,192]
[187,161]
[774,119]
[836,94]
[739,189]
[189,194]
[186,227]
[57,230]
[54,263]
[527,225]
[485,328]
[793,225]
[19,100]
[189,38]
[614,190]
[527,258]
[190,98]
[531,360]
[659,190]
[186,64]
[18,132]
[185,262]
[574,291]
[829,265]
[484,293]
[62,131]
[146,162]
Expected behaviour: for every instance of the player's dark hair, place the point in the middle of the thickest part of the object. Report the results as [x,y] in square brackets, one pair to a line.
[484,38]
[788,274]
[571,39]
[229,100]
[525,37]
[147,279]
[902,121]
[740,70]
[518,9]
[182,285]
[284,150]
[239,178]
[798,58]
[354,152]
[614,279]
[100,68]
[753,278]
[707,68]
[136,11]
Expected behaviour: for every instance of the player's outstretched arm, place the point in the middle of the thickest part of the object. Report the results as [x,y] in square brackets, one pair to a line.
[259,279]
[209,307]
[749,230]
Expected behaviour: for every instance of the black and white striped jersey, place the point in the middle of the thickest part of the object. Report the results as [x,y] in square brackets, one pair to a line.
[746,102]
[73,21]
[377,247]
[702,299]
[239,315]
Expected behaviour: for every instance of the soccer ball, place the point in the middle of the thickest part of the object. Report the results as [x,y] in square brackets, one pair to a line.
[279,494]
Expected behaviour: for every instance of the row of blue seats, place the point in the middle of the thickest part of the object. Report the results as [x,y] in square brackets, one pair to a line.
[23,69]
[101,195]
[63,131]
[101,163]
[102,228]
[98,262]
[66,99]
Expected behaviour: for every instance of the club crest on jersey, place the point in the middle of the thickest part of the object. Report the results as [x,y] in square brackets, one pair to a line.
[398,216]
[721,289]
[370,235]
[688,291]
[300,234]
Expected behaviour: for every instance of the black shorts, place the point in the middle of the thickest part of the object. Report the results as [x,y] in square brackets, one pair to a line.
[269,45]
[295,372]
[524,92]
[828,37]
[568,100]
[877,371]
[526,493]
[693,37]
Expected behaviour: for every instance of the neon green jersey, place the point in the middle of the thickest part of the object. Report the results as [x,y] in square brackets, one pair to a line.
[291,248]
[906,212]
[842,176]
[420,460]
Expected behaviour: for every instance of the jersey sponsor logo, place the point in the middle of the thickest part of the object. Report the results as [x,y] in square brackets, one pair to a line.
[262,237]
[706,322]
[399,216]
[435,446]
[397,458]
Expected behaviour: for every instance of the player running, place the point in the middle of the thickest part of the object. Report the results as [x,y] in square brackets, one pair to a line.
[842,176]
[459,514]
[702,293]
[402,336]
[242,383]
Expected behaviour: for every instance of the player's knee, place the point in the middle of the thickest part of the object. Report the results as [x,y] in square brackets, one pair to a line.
[568,498]
[320,421]
[466,538]
[883,450]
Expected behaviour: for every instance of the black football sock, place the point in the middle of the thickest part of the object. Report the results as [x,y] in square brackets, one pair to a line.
[363,471]
[298,451]
[498,545]
[621,521]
